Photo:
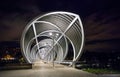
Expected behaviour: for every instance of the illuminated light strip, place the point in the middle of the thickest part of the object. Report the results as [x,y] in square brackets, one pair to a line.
[34,29]
[64,33]
[82,42]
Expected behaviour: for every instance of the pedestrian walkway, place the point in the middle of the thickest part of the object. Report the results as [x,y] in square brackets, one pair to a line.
[42,69]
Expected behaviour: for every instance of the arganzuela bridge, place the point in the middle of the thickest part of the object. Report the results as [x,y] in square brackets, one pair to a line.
[53,37]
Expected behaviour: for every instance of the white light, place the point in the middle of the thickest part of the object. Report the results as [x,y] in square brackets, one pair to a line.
[57,34]
[50,34]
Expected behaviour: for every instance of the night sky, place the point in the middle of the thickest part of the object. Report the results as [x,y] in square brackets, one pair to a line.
[101,19]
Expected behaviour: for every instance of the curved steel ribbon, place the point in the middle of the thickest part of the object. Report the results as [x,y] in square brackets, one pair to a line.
[53,36]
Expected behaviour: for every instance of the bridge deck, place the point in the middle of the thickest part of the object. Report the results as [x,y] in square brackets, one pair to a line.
[46,70]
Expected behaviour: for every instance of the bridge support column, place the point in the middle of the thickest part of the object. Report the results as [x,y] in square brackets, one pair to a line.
[73,64]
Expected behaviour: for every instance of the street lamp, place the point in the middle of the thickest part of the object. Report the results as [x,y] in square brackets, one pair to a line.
[53,36]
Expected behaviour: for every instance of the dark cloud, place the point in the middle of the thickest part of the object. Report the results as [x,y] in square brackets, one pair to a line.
[12,25]
[102,31]
[14,17]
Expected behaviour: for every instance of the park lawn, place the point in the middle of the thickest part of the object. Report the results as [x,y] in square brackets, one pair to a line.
[101,71]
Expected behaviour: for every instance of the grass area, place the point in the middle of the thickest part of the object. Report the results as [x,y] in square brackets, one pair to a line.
[101,71]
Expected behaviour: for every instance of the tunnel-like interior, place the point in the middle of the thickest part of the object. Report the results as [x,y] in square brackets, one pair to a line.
[52,37]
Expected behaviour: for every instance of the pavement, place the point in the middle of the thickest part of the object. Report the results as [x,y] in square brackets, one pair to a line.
[46,70]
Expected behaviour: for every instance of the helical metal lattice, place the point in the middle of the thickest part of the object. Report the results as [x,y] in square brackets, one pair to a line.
[52,36]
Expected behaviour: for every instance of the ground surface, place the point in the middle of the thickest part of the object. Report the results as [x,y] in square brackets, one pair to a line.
[46,70]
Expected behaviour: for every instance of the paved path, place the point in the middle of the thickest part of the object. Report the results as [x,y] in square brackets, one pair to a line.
[47,70]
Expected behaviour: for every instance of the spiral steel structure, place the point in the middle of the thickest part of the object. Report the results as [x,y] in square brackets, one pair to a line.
[52,36]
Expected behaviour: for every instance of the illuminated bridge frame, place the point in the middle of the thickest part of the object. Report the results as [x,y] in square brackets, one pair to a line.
[53,37]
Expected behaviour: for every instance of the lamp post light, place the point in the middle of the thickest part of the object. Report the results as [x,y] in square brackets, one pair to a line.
[53,36]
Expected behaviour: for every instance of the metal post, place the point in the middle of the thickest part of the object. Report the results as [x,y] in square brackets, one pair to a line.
[53,50]
[73,64]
